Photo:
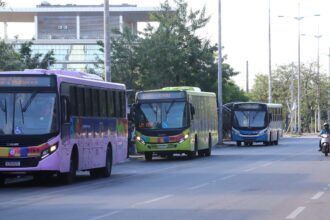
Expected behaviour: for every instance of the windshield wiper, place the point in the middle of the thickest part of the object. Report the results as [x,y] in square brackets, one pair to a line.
[3,108]
[169,108]
[29,101]
[20,103]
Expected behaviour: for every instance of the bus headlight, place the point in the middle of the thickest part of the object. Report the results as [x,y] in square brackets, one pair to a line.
[45,153]
[186,136]
[236,132]
[263,132]
[138,138]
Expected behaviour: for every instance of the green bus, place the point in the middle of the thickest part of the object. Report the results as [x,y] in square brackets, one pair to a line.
[175,120]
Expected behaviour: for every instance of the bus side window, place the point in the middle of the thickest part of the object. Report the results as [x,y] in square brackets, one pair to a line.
[65,110]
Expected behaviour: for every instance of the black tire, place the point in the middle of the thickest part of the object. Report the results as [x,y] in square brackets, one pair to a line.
[69,177]
[2,180]
[277,137]
[94,173]
[238,143]
[169,156]
[42,178]
[208,151]
[251,144]
[266,143]
[106,171]
[148,156]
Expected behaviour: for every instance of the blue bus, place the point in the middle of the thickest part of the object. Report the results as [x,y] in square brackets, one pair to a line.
[255,122]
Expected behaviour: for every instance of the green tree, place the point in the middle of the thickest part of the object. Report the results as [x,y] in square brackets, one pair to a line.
[281,88]
[125,60]
[2,3]
[9,58]
[37,60]
[170,54]
[13,59]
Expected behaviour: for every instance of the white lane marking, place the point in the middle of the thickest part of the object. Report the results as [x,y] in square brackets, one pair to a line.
[296,212]
[198,186]
[227,177]
[105,215]
[152,200]
[248,170]
[266,164]
[317,195]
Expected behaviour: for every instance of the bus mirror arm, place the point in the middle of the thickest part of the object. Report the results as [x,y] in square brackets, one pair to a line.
[192,111]
[65,109]
[270,117]
[131,114]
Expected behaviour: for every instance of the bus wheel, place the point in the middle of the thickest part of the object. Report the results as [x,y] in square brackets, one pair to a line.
[276,142]
[69,177]
[148,156]
[251,144]
[209,149]
[266,143]
[2,180]
[238,143]
[106,171]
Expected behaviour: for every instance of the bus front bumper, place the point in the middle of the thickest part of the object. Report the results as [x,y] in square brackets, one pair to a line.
[178,147]
[30,165]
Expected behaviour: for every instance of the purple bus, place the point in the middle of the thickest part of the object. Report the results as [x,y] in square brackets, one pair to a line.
[59,122]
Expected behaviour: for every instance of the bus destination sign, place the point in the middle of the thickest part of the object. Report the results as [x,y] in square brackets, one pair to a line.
[26,81]
[161,95]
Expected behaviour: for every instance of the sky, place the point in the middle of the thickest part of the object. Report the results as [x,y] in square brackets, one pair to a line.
[244,31]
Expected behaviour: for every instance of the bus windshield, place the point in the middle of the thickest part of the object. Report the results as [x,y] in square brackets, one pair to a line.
[250,119]
[162,115]
[28,113]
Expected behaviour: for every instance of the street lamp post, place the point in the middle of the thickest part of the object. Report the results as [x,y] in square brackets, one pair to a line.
[269,59]
[107,57]
[299,18]
[318,36]
[220,134]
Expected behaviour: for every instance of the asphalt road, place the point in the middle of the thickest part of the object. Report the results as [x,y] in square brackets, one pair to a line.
[288,181]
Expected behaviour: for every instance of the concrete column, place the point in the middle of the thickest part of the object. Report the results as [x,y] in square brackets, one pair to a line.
[36,27]
[5,32]
[121,24]
[78,26]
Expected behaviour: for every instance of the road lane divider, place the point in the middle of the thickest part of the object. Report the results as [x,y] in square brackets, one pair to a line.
[199,186]
[296,212]
[152,200]
[105,215]
[317,195]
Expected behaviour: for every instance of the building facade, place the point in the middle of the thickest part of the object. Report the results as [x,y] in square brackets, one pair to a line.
[72,31]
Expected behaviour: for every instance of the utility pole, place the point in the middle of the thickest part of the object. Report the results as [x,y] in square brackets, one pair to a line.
[247,76]
[318,36]
[107,57]
[220,133]
[293,104]
[270,59]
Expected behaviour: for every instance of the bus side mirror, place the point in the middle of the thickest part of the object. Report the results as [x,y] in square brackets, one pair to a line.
[192,111]
[65,116]
[270,117]
[131,114]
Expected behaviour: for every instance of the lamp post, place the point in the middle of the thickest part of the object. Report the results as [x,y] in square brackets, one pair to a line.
[318,36]
[220,134]
[298,18]
[269,58]
[107,57]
